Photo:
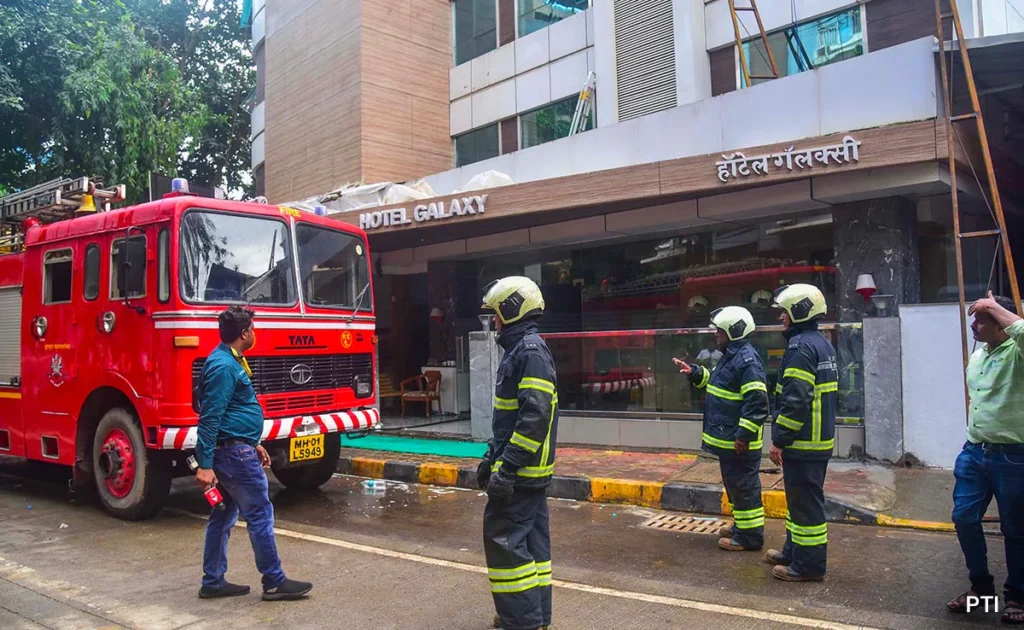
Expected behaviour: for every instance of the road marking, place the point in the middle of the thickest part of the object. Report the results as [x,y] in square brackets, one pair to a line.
[749,613]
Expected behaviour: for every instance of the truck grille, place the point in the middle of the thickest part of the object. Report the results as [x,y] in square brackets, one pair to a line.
[272,375]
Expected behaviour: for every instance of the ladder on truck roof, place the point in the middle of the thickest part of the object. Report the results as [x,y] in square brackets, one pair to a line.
[58,199]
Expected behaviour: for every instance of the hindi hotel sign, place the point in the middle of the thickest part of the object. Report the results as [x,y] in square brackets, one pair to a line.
[433,211]
[736,165]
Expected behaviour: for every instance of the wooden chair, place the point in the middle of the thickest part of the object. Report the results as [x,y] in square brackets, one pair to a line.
[428,389]
[386,387]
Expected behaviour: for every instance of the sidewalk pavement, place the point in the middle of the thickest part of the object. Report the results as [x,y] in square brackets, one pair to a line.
[856,492]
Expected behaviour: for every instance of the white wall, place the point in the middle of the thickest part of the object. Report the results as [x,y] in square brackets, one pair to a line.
[1001,17]
[607,103]
[693,65]
[934,411]
[890,86]
[542,67]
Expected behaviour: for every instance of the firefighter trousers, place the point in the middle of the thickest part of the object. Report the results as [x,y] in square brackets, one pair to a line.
[743,487]
[806,529]
[517,546]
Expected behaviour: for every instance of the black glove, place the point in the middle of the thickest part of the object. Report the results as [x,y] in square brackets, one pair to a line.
[483,473]
[501,485]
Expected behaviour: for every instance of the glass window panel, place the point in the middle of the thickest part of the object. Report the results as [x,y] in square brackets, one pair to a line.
[550,122]
[128,268]
[477,145]
[57,278]
[333,268]
[537,14]
[163,255]
[807,46]
[475,28]
[91,288]
[226,259]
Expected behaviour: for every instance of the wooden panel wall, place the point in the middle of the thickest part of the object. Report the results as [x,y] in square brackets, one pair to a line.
[506,21]
[893,22]
[723,70]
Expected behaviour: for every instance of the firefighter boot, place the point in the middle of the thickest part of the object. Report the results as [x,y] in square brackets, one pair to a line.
[786,574]
[497,623]
[776,557]
[730,544]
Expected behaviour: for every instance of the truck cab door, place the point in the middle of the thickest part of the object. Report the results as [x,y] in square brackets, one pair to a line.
[126,323]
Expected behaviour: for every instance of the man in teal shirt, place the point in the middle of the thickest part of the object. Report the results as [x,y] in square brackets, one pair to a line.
[992,461]
[230,456]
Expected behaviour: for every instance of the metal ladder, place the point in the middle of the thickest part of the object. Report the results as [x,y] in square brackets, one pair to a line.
[953,139]
[581,116]
[744,62]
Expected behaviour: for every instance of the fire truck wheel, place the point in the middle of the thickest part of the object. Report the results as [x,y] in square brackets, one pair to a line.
[131,483]
[313,475]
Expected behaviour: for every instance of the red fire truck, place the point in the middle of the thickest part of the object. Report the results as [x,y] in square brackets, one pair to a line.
[109,314]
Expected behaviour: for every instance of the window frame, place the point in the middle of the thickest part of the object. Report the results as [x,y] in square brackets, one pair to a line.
[862,8]
[520,13]
[497,34]
[163,265]
[292,259]
[85,272]
[113,268]
[46,276]
[522,135]
[497,127]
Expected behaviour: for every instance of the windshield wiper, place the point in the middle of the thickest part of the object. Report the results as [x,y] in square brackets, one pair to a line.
[359,301]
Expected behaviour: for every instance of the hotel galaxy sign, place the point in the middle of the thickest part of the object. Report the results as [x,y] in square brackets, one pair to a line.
[433,211]
[737,165]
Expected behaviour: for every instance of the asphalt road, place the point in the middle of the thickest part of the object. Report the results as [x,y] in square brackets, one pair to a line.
[412,558]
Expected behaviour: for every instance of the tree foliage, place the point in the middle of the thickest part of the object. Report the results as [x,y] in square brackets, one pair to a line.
[119,88]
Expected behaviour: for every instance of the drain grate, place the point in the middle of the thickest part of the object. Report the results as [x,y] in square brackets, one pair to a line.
[691,524]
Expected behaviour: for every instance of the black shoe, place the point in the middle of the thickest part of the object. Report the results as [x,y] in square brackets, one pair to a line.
[289,589]
[228,590]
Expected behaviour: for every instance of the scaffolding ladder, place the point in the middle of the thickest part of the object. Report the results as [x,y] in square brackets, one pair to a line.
[744,62]
[584,104]
[992,199]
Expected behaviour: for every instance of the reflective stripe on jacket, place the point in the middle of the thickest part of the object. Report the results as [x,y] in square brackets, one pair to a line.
[805,395]
[736,405]
[525,421]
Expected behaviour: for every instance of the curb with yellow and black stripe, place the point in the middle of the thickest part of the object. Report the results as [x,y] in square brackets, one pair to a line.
[682,497]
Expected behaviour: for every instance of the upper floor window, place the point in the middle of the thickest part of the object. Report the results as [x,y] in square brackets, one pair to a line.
[479,144]
[537,14]
[476,28]
[808,46]
[550,122]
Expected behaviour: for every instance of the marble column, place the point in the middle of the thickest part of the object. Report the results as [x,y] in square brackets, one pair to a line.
[883,389]
[879,237]
[441,294]
[484,356]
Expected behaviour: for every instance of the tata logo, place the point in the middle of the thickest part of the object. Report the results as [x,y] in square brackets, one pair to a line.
[301,340]
[301,374]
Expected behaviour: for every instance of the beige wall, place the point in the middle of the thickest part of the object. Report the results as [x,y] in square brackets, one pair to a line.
[357,90]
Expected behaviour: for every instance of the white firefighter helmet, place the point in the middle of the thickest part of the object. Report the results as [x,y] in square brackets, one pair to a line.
[761,297]
[512,298]
[698,301]
[803,302]
[735,321]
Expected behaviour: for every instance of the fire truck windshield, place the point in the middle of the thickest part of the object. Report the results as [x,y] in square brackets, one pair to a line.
[333,268]
[229,258]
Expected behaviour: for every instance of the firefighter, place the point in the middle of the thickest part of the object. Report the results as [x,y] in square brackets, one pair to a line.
[735,409]
[520,460]
[803,435]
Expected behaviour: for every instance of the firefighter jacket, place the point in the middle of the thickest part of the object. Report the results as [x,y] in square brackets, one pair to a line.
[525,421]
[805,395]
[736,405]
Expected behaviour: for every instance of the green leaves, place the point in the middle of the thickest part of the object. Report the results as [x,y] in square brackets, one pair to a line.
[119,88]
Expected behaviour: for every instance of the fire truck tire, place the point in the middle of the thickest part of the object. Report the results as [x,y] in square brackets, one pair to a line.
[314,475]
[131,483]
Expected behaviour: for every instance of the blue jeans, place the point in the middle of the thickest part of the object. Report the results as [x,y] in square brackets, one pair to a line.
[980,475]
[243,484]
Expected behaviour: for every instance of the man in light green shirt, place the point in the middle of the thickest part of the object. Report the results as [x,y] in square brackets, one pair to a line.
[992,461]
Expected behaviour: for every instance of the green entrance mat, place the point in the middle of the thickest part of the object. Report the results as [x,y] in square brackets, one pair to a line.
[423,446]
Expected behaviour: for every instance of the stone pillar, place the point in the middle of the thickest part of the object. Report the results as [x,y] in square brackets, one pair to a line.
[876,236]
[441,285]
[879,237]
[484,356]
[883,388]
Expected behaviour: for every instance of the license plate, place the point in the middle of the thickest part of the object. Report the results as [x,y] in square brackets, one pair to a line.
[306,447]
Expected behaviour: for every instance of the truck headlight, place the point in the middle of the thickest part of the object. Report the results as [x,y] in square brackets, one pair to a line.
[363,385]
